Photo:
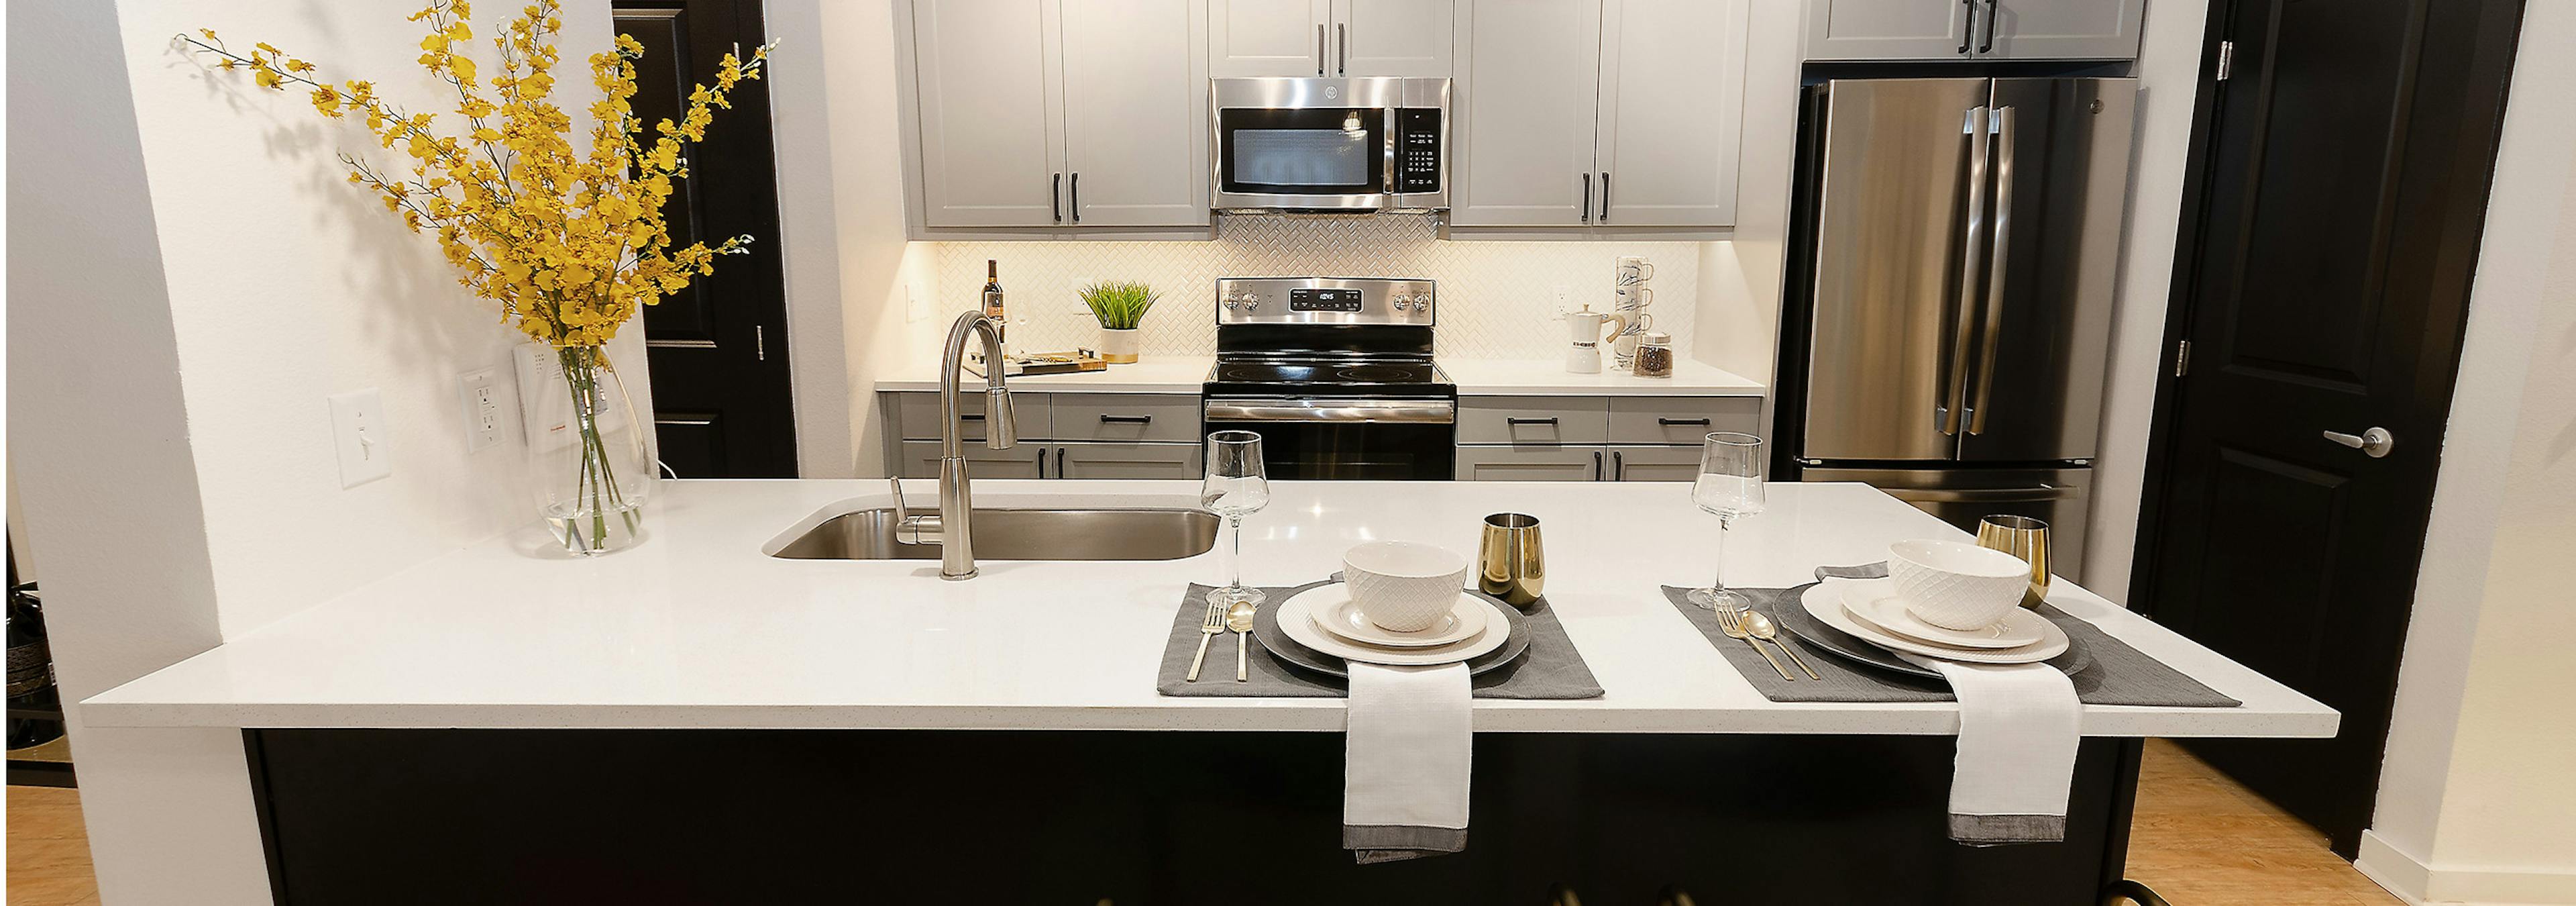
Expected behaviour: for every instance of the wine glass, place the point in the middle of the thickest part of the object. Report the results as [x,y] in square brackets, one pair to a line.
[1729,485]
[1234,488]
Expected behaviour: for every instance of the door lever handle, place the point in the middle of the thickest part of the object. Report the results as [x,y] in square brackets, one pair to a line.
[2375,441]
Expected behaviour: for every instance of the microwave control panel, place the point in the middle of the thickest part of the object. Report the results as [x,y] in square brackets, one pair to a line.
[1418,150]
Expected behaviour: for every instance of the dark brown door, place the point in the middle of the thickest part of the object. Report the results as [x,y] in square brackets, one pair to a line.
[2340,186]
[721,401]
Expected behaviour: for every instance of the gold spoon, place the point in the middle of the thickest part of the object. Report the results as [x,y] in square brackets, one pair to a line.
[1761,628]
[1238,617]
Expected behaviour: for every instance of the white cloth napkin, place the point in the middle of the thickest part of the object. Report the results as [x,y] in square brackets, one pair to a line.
[2018,728]
[1409,755]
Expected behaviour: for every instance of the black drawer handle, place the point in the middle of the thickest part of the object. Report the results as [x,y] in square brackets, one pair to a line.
[1668,422]
[1529,421]
[1126,419]
[970,417]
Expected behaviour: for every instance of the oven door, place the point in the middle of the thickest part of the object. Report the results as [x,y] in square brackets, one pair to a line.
[1348,439]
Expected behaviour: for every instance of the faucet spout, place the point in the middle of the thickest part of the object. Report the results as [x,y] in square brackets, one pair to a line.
[954,534]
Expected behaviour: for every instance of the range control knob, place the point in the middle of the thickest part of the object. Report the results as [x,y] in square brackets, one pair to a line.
[1401,302]
[1252,303]
[1230,301]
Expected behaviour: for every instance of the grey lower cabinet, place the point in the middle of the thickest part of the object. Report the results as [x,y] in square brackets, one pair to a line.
[1028,460]
[1629,462]
[1062,435]
[1531,462]
[1110,459]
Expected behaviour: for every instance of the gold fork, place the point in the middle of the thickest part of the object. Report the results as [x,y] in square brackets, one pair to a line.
[1732,621]
[1209,625]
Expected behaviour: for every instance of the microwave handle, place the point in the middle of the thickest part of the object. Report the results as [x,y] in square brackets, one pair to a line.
[1391,139]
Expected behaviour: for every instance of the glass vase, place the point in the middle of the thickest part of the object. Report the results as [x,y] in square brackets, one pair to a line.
[590,462]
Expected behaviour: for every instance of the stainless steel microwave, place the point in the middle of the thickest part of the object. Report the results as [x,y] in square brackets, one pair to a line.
[1343,146]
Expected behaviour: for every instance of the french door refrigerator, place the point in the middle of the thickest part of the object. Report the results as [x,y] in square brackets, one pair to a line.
[1955,247]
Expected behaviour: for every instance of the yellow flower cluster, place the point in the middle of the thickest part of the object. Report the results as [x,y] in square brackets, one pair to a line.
[569,241]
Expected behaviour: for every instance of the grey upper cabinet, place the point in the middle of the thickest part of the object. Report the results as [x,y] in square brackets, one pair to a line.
[1525,99]
[1045,113]
[1973,29]
[1598,114]
[988,79]
[1313,38]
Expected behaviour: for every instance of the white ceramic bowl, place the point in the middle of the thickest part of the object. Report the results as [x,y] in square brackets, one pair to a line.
[1404,586]
[1956,585]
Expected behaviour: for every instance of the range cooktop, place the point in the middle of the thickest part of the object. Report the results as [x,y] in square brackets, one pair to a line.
[1330,376]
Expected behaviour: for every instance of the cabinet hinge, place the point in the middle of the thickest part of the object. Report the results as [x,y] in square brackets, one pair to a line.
[2226,59]
[2182,359]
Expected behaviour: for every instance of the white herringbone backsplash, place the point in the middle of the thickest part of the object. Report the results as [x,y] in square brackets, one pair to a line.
[1496,299]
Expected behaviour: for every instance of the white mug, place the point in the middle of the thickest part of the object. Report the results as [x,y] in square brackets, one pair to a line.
[1635,269]
[1631,298]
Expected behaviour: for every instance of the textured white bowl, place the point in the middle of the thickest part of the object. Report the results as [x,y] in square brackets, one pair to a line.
[1402,585]
[1956,585]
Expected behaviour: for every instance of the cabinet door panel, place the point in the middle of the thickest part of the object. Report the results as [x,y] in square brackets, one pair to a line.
[1394,38]
[921,460]
[1529,87]
[1530,463]
[1636,463]
[1267,38]
[1135,101]
[1888,30]
[991,111]
[1117,460]
[1672,104]
[2064,30]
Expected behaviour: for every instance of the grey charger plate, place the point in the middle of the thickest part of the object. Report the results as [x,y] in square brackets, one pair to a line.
[1793,617]
[1265,629]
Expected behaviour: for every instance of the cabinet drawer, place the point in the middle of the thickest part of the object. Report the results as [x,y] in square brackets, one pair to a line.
[917,413]
[1549,462]
[1127,417]
[1631,462]
[1681,419]
[921,460]
[1126,460]
[1532,420]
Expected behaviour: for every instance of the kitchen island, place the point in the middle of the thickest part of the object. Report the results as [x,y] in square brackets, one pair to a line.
[495,725]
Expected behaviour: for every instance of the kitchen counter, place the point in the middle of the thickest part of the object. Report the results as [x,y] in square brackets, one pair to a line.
[1475,377]
[699,628]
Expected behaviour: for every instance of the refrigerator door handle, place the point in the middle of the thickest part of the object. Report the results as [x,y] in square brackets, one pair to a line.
[1946,411]
[1983,495]
[1996,258]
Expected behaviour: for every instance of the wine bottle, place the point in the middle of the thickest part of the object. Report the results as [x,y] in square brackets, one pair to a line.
[993,304]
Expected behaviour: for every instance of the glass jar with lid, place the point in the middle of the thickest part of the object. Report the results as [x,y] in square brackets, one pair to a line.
[1655,354]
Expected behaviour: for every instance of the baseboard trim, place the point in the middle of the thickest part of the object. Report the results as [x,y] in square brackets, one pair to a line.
[2420,884]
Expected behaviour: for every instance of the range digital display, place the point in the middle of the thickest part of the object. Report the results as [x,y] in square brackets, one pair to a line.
[1323,300]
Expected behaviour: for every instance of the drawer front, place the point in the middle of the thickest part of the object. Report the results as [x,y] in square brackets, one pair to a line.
[1127,417]
[1531,463]
[1638,463]
[917,412]
[921,460]
[1681,419]
[1126,460]
[1532,420]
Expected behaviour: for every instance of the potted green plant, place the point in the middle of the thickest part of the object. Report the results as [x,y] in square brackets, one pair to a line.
[1120,307]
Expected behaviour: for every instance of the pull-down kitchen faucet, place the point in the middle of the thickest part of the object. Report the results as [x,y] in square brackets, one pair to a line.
[951,529]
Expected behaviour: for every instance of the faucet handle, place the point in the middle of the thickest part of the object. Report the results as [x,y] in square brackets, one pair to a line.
[908,528]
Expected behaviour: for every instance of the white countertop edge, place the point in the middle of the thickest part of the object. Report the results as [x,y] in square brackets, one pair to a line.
[1474,377]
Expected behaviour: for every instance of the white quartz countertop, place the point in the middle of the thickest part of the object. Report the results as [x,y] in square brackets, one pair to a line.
[699,628]
[1475,377]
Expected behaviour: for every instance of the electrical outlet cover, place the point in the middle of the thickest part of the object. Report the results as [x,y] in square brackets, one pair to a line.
[359,434]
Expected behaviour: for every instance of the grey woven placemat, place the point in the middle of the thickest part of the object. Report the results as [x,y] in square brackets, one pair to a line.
[2118,675]
[1551,669]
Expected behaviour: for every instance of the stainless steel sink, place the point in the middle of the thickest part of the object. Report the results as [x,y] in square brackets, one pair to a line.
[1003,534]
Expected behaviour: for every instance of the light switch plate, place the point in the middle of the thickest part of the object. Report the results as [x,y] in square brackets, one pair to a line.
[358,432]
[486,409]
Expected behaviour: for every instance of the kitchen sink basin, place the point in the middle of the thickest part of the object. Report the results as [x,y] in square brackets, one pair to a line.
[1007,534]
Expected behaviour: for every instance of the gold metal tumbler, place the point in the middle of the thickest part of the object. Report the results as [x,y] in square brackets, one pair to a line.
[1509,562]
[2024,537]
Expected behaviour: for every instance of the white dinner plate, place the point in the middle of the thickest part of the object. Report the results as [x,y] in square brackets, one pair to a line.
[1876,600]
[1341,616]
[1829,610]
[1297,619]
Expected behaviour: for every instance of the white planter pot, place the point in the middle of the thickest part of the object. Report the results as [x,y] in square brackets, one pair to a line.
[1119,347]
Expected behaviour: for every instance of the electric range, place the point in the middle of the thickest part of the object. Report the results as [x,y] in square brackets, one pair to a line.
[1335,374]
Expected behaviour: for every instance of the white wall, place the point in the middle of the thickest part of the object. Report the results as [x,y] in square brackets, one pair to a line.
[2168,73]
[2475,804]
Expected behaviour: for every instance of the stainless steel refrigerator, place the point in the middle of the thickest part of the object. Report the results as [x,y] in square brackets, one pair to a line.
[1950,304]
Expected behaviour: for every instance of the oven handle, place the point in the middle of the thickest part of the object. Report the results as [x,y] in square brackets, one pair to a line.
[1432,412]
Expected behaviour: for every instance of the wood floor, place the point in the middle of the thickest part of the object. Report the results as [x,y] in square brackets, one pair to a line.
[2198,839]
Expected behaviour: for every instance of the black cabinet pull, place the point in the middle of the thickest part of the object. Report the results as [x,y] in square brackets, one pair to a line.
[1991,7]
[1668,422]
[1042,463]
[1605,197]
[1596,465]
[1319,48]
[971,417]
[1618,467]
[1342,31]
[1075,203]
[1968,26]
[1126,419]
[1059,461]
[1587,198]
[1529,421]
[1055,198]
